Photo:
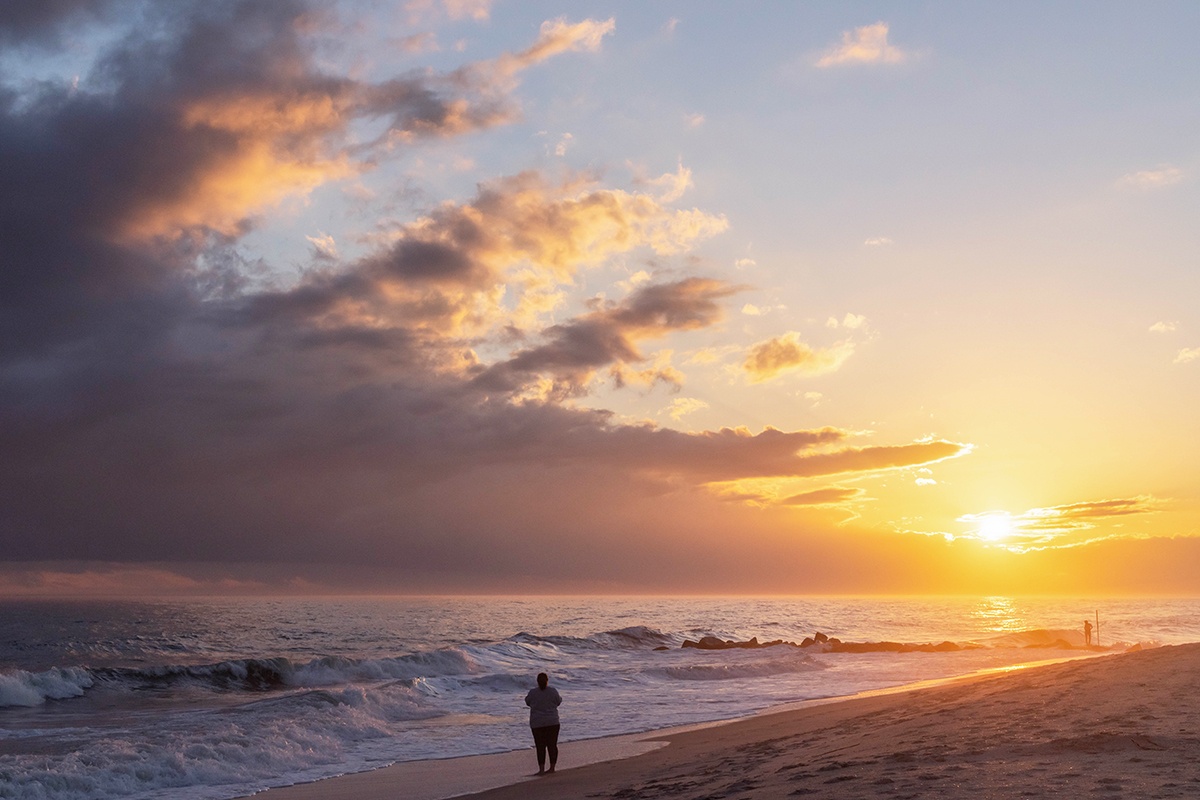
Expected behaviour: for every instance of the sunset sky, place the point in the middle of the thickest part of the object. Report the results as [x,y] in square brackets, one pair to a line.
[473,296]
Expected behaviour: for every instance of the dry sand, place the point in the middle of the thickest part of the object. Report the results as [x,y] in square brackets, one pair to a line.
[1115,726]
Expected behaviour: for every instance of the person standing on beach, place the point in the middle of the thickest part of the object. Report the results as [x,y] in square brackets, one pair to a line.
[543,703]
[1087,632]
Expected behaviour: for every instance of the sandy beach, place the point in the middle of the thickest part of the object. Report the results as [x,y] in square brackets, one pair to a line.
[1117,726]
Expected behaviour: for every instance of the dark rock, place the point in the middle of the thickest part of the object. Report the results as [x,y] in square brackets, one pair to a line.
[714,643]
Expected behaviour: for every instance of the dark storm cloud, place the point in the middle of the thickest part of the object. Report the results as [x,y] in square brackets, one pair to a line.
[189,132]
[154,406]
[41,21]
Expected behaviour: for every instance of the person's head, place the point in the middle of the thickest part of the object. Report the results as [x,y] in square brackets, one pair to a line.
[543,680]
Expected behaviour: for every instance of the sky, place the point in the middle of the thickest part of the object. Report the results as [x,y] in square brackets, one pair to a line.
[452,296]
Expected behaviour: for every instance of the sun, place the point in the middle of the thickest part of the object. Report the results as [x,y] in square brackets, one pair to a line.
[995,527]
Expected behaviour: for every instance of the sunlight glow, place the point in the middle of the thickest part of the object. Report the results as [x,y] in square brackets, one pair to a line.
[995,527]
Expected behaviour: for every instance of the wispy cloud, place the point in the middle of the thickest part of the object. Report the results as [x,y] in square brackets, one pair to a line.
[878,241]
[865,45]
[682,406]
[419,43]
[478,10]
[1187,355]
[830,495]
[1054,526]
[1164,327]
[851,321]
[1159,178]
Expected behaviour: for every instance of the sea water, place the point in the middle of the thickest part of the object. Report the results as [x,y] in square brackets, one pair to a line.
[220,698]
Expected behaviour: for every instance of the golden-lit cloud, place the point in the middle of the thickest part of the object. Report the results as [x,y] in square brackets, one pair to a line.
[851,321]
[1165,326]
[672,185]
[878,241]
[787,353]
[1061,526]
[273,153]
[239,147]
[522,236]
[865,45]
[828,496]
[736,454]
[554,37]
[682,406]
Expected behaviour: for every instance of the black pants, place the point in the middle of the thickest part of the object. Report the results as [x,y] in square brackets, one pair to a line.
[546,739]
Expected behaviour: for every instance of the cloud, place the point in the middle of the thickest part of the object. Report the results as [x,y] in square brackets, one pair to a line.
[788,353]
[865,45]
[41,22]
[693,120]
[418,406]
[117,580]
[1162,177]
[554,38]
[419,43]
[672,186]
[324,247]
[1187,354]
[608,335]
[832,495]
[453,272]
[682,406]
[851,321]
[477,10]
[1164,327]
[1056,526]
[878,241]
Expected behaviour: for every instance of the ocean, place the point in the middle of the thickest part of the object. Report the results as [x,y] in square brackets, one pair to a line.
[208,699]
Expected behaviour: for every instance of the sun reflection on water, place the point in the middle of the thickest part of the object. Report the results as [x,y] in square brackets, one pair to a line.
[1000,615]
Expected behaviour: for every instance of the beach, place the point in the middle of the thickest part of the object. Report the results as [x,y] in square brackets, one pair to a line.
[1124,725]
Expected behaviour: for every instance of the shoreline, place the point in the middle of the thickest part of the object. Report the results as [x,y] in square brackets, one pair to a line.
[1127,725]
[476,775]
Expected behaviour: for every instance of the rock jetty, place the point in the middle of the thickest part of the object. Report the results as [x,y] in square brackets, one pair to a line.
[821,643]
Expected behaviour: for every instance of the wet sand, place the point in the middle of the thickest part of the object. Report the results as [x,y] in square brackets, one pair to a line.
[1115,726]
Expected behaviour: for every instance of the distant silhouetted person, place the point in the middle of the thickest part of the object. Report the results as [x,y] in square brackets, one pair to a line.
[543,705]
[1087,632]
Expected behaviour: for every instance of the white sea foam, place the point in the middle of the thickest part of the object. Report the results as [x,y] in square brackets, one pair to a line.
[21,688]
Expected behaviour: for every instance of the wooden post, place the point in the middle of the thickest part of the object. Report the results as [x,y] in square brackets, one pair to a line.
[1096,638]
